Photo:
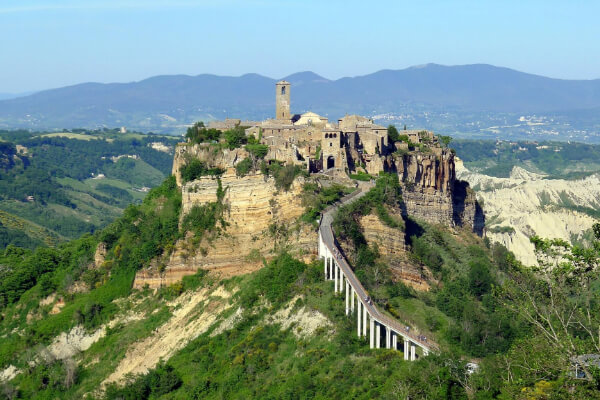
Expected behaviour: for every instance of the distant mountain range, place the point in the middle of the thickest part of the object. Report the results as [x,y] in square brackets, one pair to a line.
[168,103]
[6,96]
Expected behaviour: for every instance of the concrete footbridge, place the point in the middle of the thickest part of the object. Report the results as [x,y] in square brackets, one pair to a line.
[383,331]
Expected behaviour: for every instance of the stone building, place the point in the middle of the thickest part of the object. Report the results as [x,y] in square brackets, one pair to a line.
[351,144]
[282,101]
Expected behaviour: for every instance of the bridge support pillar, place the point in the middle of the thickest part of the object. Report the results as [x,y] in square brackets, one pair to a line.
[388,337]
[394,341]
[372,334]
[364,320]
[413,352]
[336,277]
[378,336]
[347,298]
[330,268]
[358,316]
[425,352]
[406,350]
[320,245]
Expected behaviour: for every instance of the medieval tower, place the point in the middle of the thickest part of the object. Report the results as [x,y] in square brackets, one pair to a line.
[282,101]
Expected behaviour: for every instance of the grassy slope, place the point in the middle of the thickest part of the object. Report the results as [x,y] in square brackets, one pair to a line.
[252,360]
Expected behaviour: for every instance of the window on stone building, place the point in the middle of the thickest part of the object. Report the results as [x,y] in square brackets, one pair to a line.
[283,90]
[330,144]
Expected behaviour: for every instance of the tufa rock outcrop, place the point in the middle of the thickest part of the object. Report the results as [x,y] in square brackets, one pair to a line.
[432,192]
[258,219]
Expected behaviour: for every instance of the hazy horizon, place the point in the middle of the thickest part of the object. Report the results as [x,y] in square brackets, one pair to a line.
[62,43]
[29,92]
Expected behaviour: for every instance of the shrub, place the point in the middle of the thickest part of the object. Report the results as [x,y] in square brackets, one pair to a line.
[273,281]
[284,175]
[159,381]
[195,169]
[243,167]
[315,199]
[202,218]
[199,134]
[258,151]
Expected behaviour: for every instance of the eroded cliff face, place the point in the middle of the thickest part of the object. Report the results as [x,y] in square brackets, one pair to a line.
[432,172]
[391,243]
[527,204]
[258,218]
[210,155]
[432,192]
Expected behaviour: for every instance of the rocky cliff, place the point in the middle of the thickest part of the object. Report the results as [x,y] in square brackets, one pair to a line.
[391,243]
[258,218]
[211,155]
[432,192]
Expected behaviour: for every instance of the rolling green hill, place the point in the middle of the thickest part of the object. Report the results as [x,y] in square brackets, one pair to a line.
[565,160]
[70,183]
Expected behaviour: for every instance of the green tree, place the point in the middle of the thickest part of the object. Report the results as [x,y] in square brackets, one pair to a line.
[445,140]
[235,137]
[198,133]
[243,167]
[559,297]
[393,133]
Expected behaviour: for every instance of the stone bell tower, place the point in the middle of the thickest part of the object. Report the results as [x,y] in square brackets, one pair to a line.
[282,101]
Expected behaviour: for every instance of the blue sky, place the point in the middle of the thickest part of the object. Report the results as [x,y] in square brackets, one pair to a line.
[45,44]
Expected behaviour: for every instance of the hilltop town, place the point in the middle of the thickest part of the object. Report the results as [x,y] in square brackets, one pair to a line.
[252,158]
[349,145]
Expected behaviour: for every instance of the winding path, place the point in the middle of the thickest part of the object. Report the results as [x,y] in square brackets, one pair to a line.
[338,269]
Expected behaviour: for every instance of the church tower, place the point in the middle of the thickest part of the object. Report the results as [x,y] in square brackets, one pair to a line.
[282,101]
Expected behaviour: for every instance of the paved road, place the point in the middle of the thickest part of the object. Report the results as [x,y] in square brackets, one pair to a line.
[329,240]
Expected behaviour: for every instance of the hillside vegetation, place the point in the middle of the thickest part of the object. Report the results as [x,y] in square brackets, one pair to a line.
[555,159]
[281,332]
[57,186]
